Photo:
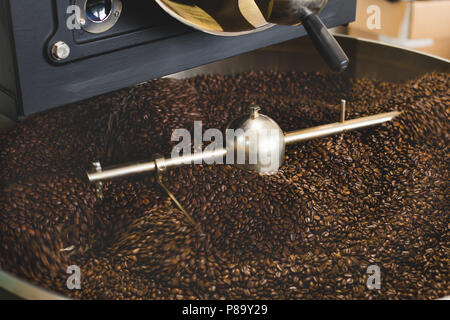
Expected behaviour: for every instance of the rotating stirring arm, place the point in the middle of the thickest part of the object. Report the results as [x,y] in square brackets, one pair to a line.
[290,138]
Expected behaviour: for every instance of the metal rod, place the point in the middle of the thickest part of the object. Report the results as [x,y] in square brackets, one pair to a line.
[122,171]
[159,172]
[343,109]
[338,127]
[99,185]
[190,159]
[290,138]
[150,166]
[26,290]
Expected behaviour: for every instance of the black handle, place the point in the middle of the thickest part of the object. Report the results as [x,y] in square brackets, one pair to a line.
[325,43]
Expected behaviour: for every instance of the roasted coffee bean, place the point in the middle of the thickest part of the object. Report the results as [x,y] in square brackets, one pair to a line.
[378,196]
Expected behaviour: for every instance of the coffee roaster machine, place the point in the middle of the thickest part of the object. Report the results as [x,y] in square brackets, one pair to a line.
[68,55]
[52,55]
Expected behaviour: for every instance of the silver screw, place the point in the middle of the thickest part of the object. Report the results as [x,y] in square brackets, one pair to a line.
[60,50]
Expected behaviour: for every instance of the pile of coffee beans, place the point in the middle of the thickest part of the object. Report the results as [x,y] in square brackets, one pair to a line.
[375,197]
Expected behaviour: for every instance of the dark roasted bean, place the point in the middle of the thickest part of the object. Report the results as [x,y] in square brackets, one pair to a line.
[339,204]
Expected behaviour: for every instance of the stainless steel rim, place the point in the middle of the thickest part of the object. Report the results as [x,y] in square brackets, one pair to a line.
[99,26]
[6,124]
[344,36]
[369,59]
